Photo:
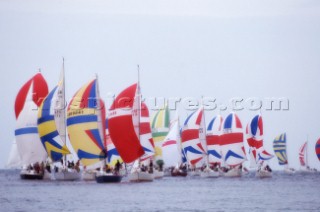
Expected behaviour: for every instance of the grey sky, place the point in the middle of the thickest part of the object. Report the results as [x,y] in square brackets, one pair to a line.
[221,49]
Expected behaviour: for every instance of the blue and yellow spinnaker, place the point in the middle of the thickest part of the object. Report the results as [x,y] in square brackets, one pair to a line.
[85,123]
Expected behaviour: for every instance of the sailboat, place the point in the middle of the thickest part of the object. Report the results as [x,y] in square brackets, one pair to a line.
[193,138]
[280,150]
[232,147]
[86,129]
[124,129]
[52,131]
[258,155]
[160,128]
[172,151]
[31,151]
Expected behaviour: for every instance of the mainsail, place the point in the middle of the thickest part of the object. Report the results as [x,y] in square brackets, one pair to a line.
[123,125]
[280,149]
[28,142]
[232,141]
[160,128]
[214,132]
[52,122]
[192,138]
[254,134]
[86,124]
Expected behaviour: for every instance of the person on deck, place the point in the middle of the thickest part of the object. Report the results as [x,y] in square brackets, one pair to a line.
[117,167]
[151,167]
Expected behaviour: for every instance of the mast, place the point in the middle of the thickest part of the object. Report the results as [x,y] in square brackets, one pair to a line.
[63,114]
[205,131]
[99,116]
[139,105]
[307,151]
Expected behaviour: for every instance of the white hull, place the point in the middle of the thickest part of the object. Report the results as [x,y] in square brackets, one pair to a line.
[67,175]
[233,173]
[263,174]
[289,171]
[138,176]
[158,174]
[209,174]
[194,173]
[308,171]
[88,175]
[47,175]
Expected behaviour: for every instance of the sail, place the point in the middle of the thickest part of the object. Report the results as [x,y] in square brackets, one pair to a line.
[280,149]
[190,137]
[146,139]
[160,128]
[84,123]
[112,152]
[26,133]
[14,160]
[171,147]
[232,141]
[214,132]
[39,91]
[51,122]
[317,148]
[254,134]
[122,128]
[302,154]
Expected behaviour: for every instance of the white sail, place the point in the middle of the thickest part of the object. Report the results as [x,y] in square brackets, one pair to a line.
[171,149]
[28,142]
[14,160]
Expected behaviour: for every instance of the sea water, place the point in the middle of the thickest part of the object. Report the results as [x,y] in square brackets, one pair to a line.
[282,192]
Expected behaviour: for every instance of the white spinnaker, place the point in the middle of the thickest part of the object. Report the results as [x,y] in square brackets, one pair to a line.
[28,141]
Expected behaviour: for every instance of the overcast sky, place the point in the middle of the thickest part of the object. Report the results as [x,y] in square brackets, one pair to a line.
[186,48]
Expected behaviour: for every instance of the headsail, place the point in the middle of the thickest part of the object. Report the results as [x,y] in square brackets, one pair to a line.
[27,138]
[214,132]
[280,148]
[122,127]
[232,141]
[51,122]
[191,140]
[160,129]
[302,154]
[85,122]
[14,160]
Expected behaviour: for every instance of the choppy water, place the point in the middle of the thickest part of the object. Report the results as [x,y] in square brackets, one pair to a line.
[281,192]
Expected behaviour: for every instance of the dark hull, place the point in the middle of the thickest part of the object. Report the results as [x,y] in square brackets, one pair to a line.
[179,174]
[108,179]
[31,176]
